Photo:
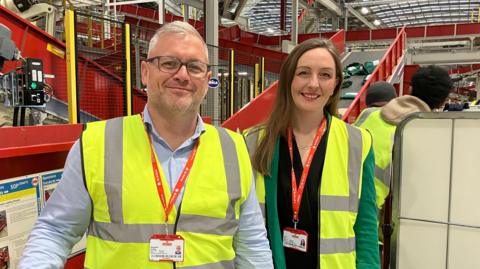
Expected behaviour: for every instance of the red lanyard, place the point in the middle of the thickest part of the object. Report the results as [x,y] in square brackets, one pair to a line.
[297,193]
[180,182]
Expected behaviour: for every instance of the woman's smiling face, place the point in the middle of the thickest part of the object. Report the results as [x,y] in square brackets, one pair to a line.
[314,81]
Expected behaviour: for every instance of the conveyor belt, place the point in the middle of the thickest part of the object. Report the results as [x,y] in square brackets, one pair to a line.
[359,57]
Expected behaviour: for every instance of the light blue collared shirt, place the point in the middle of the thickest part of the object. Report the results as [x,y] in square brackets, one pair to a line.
[67,214]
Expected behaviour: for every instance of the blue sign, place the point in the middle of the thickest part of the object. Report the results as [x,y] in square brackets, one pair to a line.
[213,83]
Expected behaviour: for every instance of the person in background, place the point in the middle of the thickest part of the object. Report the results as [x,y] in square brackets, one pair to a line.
[430,87]
[458,105]
[314,171]
[164,178]
[379,94]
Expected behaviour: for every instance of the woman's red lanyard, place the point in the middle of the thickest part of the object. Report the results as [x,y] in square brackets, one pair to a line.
[297,193]
[181,179]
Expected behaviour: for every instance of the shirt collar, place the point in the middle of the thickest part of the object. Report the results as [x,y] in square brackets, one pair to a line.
[199,129]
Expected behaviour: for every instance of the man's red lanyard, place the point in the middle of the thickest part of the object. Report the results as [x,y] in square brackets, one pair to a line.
[181,179]
[297,193]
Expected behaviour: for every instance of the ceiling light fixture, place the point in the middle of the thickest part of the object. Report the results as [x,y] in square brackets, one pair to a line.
[364,10]
[376,22]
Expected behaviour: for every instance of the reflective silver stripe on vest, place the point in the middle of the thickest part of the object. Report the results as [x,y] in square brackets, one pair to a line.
[126,233]
[364,115]
[232,170]
[335,203]
[208,225]
[218,265]
[337,245]
[113,168]
[383,174]
[141,233]
[355,145]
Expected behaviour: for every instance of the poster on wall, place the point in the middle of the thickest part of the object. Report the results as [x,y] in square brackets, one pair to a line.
[50,180]
[20,200]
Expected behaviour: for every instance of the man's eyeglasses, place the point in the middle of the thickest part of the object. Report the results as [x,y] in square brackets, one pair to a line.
[171,65]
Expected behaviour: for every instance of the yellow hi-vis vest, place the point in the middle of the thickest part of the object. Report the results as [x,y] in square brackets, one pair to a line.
[339,194]
[382,133]
[126,209]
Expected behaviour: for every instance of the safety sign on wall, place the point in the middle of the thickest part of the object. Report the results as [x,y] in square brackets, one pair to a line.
[21,201]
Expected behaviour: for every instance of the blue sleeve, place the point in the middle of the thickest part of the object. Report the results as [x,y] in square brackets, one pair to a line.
[62,222]
[366,232]
[250,242]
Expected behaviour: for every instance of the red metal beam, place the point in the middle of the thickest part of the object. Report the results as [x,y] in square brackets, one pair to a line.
[408,72]
[383,70]
[464,69]
[255,112]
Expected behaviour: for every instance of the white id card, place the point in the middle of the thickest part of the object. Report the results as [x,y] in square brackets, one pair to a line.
[295,239]
[166,247]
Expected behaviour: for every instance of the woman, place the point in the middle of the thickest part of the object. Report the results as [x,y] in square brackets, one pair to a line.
[333,205]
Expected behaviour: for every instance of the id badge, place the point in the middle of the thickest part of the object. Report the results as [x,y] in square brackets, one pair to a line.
[166,247]
[295,239]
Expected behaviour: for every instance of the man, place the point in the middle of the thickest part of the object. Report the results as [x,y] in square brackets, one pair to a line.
[118,177]
[431,86]
[379,94]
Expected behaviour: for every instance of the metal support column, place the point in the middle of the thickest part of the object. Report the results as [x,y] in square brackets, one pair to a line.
[256,88]
[262,74]
[477,86]
[72,80]
[161,10]
[345,24]
[128,75]
[185,12]
[232,83]
[211,22]
[138,78]
[294,22]
[211,19]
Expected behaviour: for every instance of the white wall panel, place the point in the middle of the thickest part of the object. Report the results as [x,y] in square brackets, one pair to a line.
[422,245]
[466,173]
[438,181]
[464,248]
[425,169]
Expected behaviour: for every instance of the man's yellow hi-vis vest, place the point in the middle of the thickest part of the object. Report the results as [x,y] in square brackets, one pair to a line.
[339,193]
[382,133]
[126,209]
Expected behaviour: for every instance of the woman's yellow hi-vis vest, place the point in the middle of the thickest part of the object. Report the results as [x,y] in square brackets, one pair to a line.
[126,209]
[339,192]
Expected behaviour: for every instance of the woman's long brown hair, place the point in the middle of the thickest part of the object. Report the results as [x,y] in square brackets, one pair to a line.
[281,116]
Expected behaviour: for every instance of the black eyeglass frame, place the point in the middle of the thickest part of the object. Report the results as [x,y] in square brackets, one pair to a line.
[152,59]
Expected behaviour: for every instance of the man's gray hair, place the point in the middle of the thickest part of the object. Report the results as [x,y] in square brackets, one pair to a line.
[179,27]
